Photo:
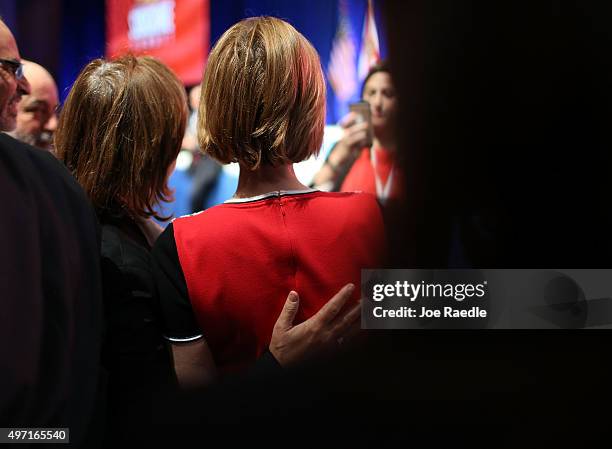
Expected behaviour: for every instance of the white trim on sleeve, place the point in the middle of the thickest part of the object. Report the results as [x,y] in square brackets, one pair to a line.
[183,340]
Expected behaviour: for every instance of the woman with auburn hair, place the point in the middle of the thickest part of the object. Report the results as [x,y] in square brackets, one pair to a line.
[119,133]
[222,272]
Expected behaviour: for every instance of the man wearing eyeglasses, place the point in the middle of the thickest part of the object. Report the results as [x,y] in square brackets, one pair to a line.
[13,83]
[37,115]
[50,282]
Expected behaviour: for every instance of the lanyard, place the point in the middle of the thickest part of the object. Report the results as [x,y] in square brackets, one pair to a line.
[382,192]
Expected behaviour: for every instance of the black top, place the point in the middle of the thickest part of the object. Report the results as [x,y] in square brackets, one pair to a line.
[139,365]
[134,353]
[178,317]
[133,340]
[50,325]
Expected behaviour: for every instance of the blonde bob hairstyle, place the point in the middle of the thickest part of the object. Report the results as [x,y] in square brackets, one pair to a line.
[263,96]
[120,131]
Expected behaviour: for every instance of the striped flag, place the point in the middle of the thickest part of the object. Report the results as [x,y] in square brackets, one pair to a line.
[341,70]
[369,53]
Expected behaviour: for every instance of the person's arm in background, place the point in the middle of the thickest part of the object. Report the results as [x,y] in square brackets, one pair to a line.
[343,154]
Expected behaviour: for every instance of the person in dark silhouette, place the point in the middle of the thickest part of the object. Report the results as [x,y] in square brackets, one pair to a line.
[50,286]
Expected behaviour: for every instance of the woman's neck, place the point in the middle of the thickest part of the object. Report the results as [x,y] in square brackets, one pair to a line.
[267,179]
[385,140]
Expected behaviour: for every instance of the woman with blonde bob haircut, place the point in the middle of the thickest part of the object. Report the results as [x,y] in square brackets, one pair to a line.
[262,105]
[224,270]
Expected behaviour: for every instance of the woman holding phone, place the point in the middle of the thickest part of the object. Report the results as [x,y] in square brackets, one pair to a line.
[364,159]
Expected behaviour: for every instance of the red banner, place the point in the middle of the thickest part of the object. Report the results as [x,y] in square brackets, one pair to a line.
[175,31]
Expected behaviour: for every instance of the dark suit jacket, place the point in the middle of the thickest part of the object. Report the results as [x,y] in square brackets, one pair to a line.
[50,291]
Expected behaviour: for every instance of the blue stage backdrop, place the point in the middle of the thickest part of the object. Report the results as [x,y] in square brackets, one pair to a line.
[64,35]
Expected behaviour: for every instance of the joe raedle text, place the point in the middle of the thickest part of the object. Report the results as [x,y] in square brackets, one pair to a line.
[425,312]
[414,304]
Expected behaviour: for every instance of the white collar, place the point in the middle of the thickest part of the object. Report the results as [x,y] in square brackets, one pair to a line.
[269,195]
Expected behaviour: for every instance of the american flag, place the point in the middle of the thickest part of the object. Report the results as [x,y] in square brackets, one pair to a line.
[369,53]
[341,70]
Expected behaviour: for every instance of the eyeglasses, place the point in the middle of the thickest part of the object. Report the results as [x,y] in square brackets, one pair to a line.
[15,67]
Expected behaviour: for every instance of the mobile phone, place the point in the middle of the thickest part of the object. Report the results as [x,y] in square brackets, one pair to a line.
[362,109]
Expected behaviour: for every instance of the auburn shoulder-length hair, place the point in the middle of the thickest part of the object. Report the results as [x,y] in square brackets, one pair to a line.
[120,130]
[263,96]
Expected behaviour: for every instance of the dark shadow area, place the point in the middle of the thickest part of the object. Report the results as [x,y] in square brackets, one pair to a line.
[505,135]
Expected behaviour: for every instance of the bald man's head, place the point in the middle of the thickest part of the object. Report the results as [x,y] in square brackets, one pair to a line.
[12,84]
[37,118]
